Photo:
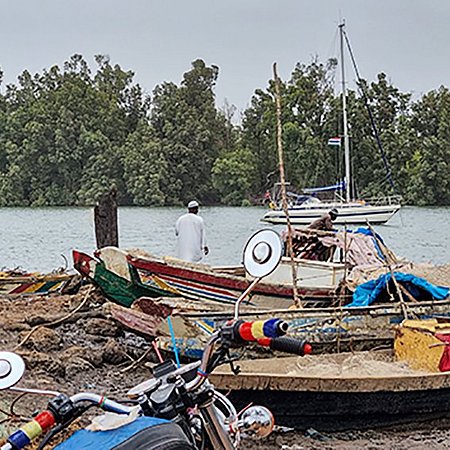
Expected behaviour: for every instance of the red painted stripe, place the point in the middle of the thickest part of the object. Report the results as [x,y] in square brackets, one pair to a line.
[198,286]
[219,280]
[81,262]
[21,288]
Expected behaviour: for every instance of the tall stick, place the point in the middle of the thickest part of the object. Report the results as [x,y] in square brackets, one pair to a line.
[297,301]
[388,256]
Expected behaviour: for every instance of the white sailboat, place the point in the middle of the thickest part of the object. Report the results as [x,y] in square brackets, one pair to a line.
[304,209]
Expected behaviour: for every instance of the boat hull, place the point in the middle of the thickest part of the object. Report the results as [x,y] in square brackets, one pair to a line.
[334,411]
[35,284]
[347,214]
[328,403]
[314,274]
[326,329]
[123,290]
[194,281]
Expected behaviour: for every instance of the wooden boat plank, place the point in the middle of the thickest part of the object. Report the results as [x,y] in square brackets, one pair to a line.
[281,374]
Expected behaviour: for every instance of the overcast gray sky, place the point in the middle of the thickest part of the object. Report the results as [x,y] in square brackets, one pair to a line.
[158,39]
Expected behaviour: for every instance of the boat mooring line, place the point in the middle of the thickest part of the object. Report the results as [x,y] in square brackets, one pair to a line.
[174,343]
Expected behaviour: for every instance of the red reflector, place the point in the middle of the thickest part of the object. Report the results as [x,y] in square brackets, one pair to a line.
[264,342]
[307,349]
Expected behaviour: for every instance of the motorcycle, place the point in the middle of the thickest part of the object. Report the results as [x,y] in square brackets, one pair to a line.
[178,408]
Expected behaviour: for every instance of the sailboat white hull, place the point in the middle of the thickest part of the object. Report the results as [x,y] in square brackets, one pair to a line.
[348,214]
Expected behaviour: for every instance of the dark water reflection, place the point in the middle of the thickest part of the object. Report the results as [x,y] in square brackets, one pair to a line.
[35,238]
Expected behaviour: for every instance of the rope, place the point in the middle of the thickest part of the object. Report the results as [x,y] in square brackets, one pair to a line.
[55,322]
[369,111]
[135,363]
[174,343]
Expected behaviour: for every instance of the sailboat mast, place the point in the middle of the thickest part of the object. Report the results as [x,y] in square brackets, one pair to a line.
[348,182]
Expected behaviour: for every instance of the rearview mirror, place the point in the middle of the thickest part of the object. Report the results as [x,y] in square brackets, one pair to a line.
[12,368]
[262,254]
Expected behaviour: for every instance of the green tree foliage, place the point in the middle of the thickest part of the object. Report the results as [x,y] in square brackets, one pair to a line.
[232,176]
[388,106]
[306,100]
[428,171]
[63,131]
[415,136]
[192,132]
[145,167]
[69,134]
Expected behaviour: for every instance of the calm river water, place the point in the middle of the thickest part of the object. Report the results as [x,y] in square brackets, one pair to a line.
[35,238]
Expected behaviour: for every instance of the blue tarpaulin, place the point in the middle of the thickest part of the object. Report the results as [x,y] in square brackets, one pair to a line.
[106,440]
[367,293]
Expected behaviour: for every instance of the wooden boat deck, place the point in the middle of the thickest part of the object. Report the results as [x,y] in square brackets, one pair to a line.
[333,403]
[282,374]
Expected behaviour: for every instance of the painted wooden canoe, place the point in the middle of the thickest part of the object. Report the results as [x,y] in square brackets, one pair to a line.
[224,285]
[14,283]
[210,296]
[337,401]
[327,329]
[117,279]
[125,276]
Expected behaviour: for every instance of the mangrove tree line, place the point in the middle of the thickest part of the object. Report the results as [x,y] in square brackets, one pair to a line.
[69,134]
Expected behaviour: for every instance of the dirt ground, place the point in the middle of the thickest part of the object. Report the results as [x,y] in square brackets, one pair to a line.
[88,351]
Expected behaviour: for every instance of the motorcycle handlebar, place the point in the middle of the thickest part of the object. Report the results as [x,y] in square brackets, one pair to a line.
[269,333]
[102,402]
[287,345]
[46,420]
[257,329]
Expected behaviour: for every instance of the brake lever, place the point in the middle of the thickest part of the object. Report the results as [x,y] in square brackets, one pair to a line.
[226,358]
[234,368]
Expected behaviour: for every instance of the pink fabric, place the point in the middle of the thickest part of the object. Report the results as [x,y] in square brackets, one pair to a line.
[444,363]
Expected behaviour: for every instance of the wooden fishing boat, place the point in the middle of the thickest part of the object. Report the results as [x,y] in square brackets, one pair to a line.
[331,401]
[118,280]
[322,261]
[327,329]
[125,276]
[225,284]
[207,297]
[23,283]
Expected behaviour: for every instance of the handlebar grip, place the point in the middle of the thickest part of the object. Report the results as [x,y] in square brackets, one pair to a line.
[261,329]
[290,345]
[31,430]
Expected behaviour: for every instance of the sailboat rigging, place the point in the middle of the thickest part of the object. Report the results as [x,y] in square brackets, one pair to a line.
[306,208]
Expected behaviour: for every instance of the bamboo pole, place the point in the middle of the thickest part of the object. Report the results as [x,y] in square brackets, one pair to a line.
[297,301]
[387,254]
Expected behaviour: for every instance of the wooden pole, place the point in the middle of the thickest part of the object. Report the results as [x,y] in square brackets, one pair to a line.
[297,301]
[105,220]
[387,254]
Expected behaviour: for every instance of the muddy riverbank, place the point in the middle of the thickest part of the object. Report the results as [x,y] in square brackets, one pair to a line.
[79,347]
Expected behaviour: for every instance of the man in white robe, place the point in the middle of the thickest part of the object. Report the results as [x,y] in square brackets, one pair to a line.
[190,231]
